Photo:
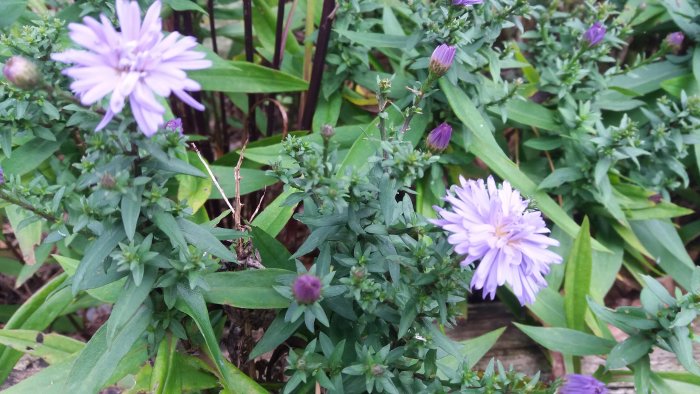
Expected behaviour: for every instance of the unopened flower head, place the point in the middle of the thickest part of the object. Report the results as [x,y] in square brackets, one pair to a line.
[441,59]
[582,384]
[175,125]
[675,40]
[493,225]
[595,34]
[136,63]
[466,2]
[439,138]
[21,72]
[2,176]
[307,288]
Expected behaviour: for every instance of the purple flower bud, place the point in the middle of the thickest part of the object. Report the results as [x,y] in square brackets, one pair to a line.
[675,40]
[175,125]
[595,34]
[307,288]
[582,384]
[21,72]
[442,59]
[439,138]
[2,176]
[466,2]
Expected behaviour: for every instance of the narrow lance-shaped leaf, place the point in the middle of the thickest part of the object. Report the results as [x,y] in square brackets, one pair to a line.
[578,279]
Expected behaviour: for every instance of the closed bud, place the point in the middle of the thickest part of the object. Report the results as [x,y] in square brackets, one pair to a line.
[439,138]
[175,125]
[595,34]
[307,289]
[2,176]
[441,59]
[327,132]
[377,370]
[675,40]
[21,72]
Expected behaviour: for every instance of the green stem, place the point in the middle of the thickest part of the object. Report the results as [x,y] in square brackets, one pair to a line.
[28,207]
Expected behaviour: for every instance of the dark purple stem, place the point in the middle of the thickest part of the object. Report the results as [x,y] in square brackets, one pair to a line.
[324,34]
[276,61]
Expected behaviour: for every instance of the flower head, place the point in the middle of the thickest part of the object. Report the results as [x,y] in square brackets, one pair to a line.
[2,176]
[133,64]
[175,125]
[595,34]
[466,2]
[675,40]
[439,138]
[582,384]
[441,59]
[21,72]
[494,226]
[307,288]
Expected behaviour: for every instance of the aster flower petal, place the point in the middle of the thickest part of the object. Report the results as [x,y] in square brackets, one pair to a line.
[132,64]
[493,225]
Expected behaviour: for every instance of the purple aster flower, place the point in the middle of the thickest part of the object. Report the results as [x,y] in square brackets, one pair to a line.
[582,384]
[175,125]
[675,40]
[441,59]
[494,226]
[2,176]
[467,2]
[439,138]
[21,72]
[306,288]
[595,34]
[133,63]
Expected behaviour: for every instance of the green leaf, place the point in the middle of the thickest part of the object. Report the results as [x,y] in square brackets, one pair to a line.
[378,40]
[166,374]
[484,146]
[167,224]
[530,114]
[37,313]
[661,239]
[50,347]
[629,351]
[578,279]
[95,255]
[549,307]
[244,77]
[251,289]
[194,190]
[205,240]
[472,350]
[276,333]
[684,83]
[559,177]
[272,253]
[131,209]
[28,236]
[185,5]
[316,238]
[642,80]
[98,361]
[130,300]
[275,216]
[567,341]
[192,303]
[10,11]
[251,180]
[682,346]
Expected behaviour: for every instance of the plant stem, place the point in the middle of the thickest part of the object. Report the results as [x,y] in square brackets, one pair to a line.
[28,207]
[249,56]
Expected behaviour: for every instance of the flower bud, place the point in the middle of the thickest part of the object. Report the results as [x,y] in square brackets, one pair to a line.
[439,138]
[442,59]
[2,176]
[175,125]
[21,72]
[675,40]
[466,3]
[327,132]
[307,289]
[377,370]
[595,34]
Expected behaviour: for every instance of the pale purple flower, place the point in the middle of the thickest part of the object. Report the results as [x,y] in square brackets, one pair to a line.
[439,138]
[441,59]
[2,176]
[467,2]
[134,63]
[307,288]
[494,226]
[582,384]
[675,40]
[595,34]
[21,72]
